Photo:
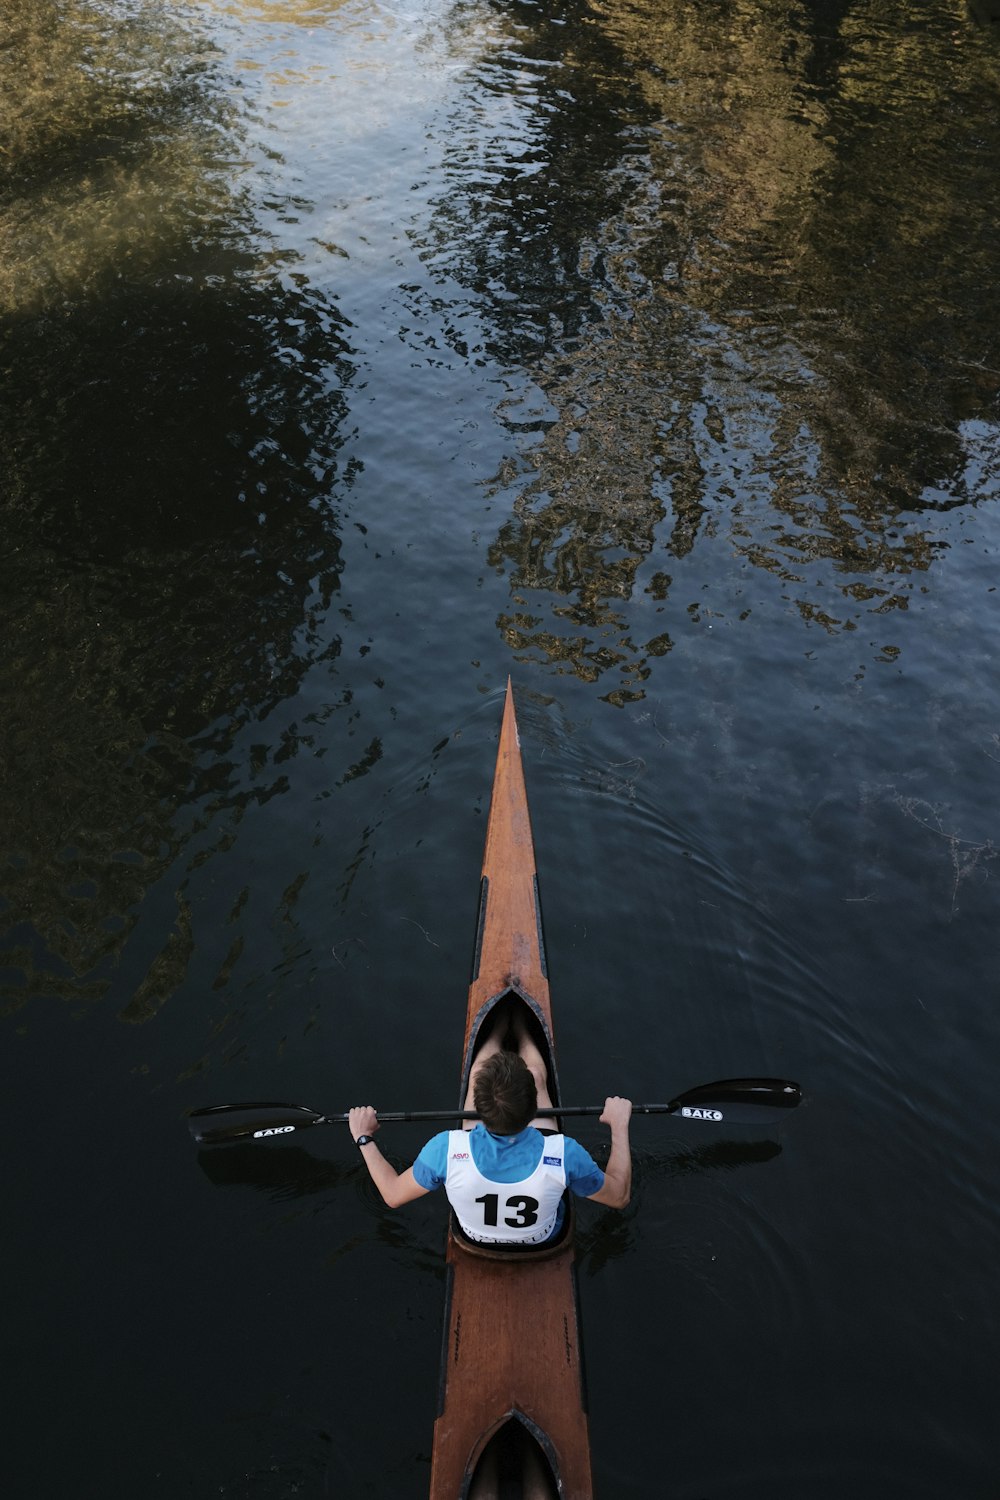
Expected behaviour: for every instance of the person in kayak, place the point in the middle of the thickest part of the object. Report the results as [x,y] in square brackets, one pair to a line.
[506,1176]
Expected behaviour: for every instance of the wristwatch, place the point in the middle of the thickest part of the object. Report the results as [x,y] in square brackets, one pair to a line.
[364,1140]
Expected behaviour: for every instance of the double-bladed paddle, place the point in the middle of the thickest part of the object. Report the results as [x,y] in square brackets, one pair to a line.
[736,1101]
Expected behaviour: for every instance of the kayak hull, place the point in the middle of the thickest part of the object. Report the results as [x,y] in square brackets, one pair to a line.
[511,1394]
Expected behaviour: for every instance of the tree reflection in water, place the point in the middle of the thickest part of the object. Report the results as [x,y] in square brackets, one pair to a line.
[174,397]
[747,255]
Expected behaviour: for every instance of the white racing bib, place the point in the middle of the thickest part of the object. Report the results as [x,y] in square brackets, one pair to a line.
[505,1213]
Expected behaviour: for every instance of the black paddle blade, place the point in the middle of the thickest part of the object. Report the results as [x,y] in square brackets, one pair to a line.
[738,1101]
[220,1123]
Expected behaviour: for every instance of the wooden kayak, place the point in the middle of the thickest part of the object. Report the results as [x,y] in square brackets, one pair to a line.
[512,1415]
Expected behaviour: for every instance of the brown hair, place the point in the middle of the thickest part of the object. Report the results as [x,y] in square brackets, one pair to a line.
[505,1093]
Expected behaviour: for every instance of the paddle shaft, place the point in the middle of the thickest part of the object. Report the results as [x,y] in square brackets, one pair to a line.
[576,1110]
[733,1100]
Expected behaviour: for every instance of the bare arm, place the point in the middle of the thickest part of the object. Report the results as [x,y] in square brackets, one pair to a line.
[396,1188]
[617,1189]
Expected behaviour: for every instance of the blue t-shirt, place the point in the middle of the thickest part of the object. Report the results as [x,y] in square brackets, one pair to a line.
[508,1158]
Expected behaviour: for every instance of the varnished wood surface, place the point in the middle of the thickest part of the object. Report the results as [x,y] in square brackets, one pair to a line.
[512,1339]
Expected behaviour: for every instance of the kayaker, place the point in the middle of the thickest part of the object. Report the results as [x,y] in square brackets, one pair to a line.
[505,1176]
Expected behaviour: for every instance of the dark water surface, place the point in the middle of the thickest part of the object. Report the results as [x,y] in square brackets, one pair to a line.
[356,355]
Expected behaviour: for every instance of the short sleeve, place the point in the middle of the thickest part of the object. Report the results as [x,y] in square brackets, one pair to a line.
[583,1174]
[431,1166]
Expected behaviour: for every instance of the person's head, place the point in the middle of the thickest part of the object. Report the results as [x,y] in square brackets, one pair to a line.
[505,1093]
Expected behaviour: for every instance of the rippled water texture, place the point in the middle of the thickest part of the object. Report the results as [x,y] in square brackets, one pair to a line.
[353,357]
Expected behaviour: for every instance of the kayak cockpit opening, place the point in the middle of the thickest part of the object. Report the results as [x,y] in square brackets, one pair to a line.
[500,1013]
[513,1466]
